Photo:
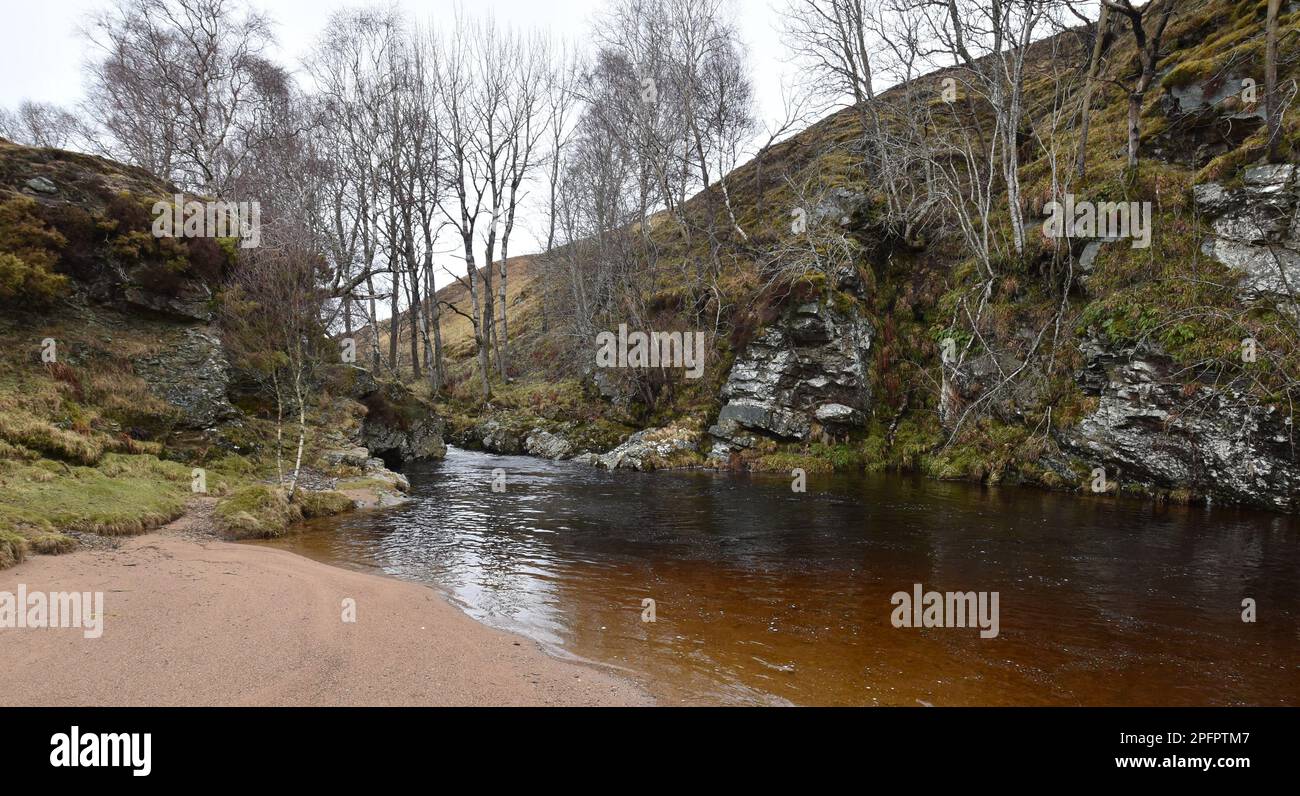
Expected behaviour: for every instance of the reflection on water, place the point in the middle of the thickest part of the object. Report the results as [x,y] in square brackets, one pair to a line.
[763,595]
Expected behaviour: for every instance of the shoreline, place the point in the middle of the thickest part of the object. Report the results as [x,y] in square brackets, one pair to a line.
[192,619]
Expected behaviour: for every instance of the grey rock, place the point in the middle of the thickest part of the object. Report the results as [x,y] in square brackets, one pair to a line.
[42,185]
[1215,441]
[1207,118]
[192,302]
[651,449]
[778,421]
[1212,198]
[546,445]
[350,456]
[376,469]
[1267,271]
[1257,231]
[193,375]
[496,438]
[839,414]
[419,440]
[1272,176]
[815,355]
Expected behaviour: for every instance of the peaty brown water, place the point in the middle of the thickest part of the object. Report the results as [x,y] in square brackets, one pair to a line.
[763,595]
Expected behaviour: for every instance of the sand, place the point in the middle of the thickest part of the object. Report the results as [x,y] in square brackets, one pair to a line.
[193,620]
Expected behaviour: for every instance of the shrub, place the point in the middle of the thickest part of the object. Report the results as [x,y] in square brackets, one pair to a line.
[29,250]
[21,282]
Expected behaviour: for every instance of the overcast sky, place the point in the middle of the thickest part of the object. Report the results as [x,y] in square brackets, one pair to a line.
[42,50]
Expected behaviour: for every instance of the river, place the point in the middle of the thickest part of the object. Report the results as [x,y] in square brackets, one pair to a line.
[764,595]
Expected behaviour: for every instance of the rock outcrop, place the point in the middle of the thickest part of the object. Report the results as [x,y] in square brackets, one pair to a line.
[400,428]
[193,375]
[1204,119]
[1216,442]
[493,436]
[1256,230]
[807,371]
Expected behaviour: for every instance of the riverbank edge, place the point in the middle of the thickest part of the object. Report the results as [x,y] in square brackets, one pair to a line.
[185,642]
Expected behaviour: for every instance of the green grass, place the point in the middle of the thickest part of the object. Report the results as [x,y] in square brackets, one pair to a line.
[121,495]
[13,548]
[322,504]
[258,511]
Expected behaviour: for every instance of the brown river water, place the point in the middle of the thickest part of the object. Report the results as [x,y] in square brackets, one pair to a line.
[767,596]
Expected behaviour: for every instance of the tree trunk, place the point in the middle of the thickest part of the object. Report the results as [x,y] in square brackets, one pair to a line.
[475,318]
[302,432]
[433,356]
[502,330]
[1094,66]
[394,322]
[1134,127]
[1271,99]
[374,326]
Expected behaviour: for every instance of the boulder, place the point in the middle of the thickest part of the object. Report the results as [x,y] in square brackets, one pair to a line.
[653,449]
[497,438]
[546,445]
[376,469]
[401,428]
[42,185]
[838,414]
[354,456]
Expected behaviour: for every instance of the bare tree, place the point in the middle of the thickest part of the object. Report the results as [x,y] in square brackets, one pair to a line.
[350,68]
[1100,41]
[991,42]
[45,125]
[460,131]
[1148,28]
[182,86]
[525,111]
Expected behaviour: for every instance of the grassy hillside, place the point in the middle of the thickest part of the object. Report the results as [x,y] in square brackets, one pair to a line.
[92,439]
[1170,293]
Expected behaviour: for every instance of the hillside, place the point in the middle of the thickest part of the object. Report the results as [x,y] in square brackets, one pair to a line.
[1134,369]
[118,399]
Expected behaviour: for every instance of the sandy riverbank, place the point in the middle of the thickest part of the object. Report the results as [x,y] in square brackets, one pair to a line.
[193,620]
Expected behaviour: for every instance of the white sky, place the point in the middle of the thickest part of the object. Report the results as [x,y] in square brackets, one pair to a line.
[42,51]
